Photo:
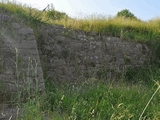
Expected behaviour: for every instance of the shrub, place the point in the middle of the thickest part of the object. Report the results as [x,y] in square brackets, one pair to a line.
[126,13]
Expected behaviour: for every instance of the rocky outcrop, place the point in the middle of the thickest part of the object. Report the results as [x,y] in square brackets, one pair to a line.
[64,54]
[20,67]
[68,54]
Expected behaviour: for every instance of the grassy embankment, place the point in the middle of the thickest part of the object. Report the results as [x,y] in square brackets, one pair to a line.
[98,101]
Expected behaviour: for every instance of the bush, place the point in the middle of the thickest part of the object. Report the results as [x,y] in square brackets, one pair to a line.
[126,13]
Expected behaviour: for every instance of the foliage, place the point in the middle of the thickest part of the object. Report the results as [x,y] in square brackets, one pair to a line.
[148,73]
[55,15]
[126,13]
[124,27]
[32,110]
[98,101]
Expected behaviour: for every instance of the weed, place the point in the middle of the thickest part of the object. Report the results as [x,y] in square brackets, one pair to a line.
[150,100]
[98,101]
[133,29]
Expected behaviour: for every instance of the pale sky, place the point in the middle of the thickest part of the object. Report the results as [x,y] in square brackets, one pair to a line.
[143,9]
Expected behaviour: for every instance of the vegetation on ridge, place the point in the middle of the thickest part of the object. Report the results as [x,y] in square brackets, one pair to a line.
[121,26]
[101,100]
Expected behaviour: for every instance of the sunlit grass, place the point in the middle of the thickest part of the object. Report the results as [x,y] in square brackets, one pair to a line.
[132,29]
[129,29]
[93,101]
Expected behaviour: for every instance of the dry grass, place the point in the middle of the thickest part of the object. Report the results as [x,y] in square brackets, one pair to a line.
[115,26]
[96,102]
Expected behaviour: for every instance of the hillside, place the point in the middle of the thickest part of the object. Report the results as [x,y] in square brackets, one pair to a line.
[55,67]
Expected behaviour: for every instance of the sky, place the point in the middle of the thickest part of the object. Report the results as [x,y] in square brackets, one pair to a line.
[142,9]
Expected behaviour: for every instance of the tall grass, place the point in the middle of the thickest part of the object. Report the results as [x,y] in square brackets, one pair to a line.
[130,29]
[95,101]
[100,101]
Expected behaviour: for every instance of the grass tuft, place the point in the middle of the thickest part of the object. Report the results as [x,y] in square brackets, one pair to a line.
[100,101]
